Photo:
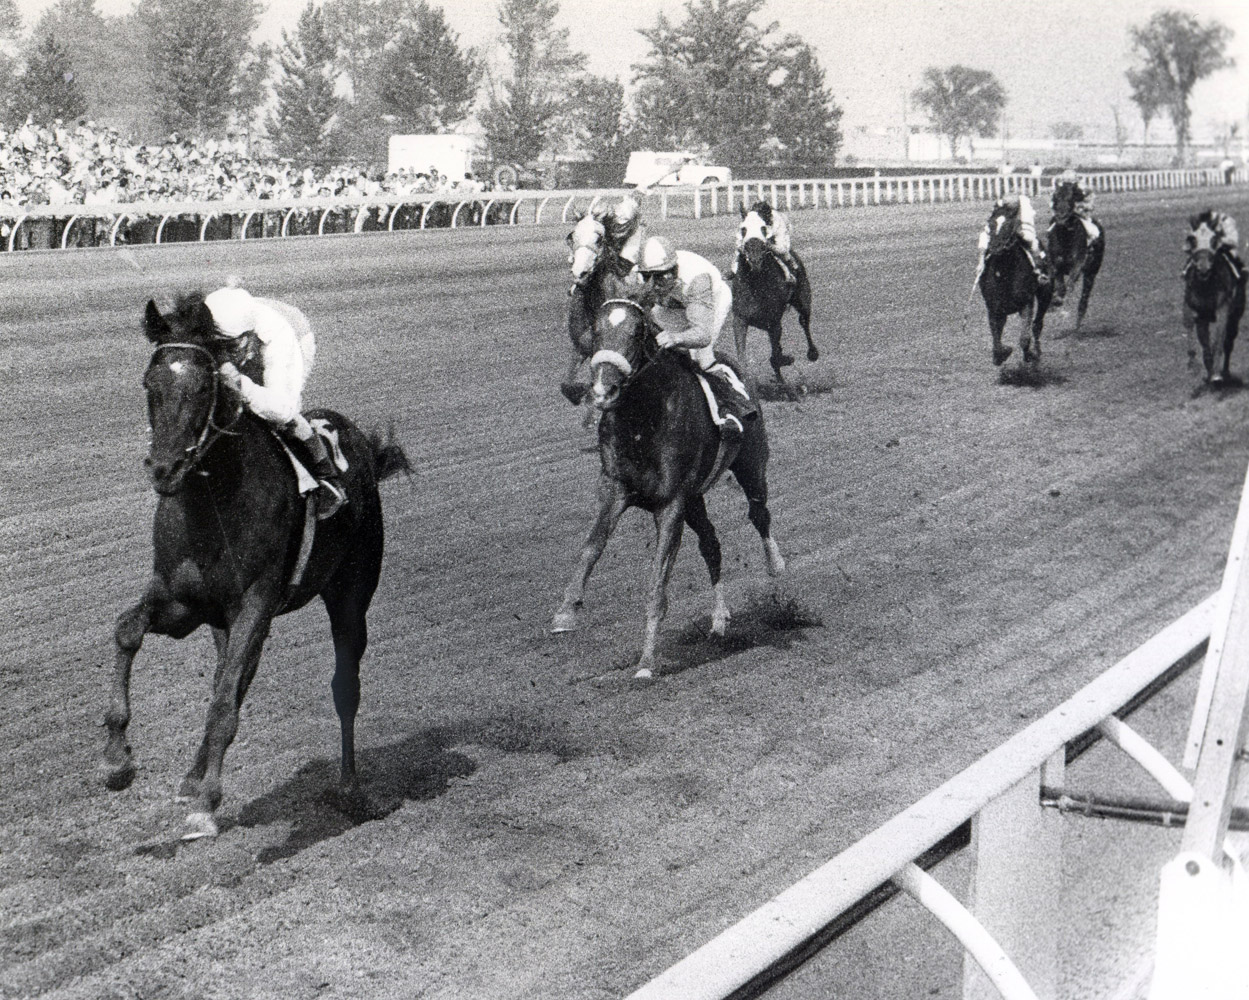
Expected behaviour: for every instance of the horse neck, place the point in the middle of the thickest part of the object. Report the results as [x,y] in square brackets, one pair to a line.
[643,412]
[234,457]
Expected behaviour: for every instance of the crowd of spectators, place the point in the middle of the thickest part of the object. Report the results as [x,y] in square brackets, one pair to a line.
[86,164]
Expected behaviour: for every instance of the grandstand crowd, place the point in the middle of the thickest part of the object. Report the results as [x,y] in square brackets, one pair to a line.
[62,164]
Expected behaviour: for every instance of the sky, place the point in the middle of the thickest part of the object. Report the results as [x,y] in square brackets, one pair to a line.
[1059,60]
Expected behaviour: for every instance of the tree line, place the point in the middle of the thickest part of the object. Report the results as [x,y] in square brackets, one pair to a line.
[1173,50]
[350,73]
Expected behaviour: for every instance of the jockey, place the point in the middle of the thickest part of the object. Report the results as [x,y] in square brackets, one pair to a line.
[626,231]
[778,241]
[1027,233]
[690,302]
[1229,237]
[286,359]
[1081,202]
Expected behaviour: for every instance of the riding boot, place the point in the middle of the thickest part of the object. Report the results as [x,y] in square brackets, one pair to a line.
[736,410]
[331,495]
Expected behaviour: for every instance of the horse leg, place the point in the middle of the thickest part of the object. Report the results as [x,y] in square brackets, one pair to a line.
[997,323]
[669,524]
[247,635]
[750,468]
[612,502]
[804,318]
[778,358]
[132,626]
[1030,352]
[709,545]
[190,787]
[347,606]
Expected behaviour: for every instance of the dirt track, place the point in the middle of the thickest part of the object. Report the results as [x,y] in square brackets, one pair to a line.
[976,545]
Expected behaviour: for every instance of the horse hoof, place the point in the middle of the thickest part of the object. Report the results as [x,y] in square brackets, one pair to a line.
[1000,354]
[720,625]
[564,621]
[117,779]
[813,355]
[783,361]
[644,674]
[776,561]
[199,825]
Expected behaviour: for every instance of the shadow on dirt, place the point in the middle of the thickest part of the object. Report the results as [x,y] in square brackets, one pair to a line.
[1229,386]
[416,769]
[794,390]
[767,618]
[1103,331]
[1028,376]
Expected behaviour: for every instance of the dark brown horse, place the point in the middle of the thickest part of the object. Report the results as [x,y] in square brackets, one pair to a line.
[1009,285]
[1073,256]
[761,294]
[658,447]
[227,539]
[1214,296]
[598,274]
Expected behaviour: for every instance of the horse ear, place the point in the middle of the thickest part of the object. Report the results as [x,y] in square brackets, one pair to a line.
[155,326]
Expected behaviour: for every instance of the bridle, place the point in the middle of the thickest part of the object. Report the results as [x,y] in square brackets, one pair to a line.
[211,430]
[615,358]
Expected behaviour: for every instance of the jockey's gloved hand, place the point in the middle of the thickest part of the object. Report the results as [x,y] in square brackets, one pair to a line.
[665,339]
[230,375]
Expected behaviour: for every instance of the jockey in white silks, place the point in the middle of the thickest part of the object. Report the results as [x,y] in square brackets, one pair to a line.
[690,302]
[772,227]
[1027,233]
[287,350]
[1082,202]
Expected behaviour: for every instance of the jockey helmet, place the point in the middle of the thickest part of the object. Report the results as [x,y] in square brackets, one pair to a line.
[1069,175]
[233,311]
[657,256]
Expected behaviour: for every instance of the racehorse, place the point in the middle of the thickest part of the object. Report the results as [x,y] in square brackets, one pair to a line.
[1073,257]
[761,294]
[1009,285]
[660,450]
[1214,296]
[228,537]
[598,273]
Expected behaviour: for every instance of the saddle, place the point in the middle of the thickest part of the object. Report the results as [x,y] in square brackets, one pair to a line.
[725,391]
[307,484]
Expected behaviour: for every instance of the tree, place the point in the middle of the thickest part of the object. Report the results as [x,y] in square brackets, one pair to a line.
[1147,94]
[705,81]
[1176,51]
[600,118]
[426,83]
[720,80]
[306,107]
[47,89]
[10,44]
[805,121]
[528,103]
[962,103]
[203,67]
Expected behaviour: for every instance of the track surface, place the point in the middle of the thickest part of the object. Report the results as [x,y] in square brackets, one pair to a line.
[976,544]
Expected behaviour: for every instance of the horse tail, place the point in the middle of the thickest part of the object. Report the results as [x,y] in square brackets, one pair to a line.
[389,458]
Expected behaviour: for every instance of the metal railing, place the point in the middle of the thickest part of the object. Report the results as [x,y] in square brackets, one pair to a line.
[63,226]
[996,806]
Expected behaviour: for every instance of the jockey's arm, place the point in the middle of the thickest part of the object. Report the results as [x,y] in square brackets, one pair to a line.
[277,400]
[699,317]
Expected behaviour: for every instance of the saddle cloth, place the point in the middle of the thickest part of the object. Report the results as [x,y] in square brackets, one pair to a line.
[326,431]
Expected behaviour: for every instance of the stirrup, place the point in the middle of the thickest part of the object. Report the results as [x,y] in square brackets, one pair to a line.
[331,498]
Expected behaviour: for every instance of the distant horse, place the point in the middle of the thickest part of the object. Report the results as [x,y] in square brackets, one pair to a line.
[1009,285]
[227,538]
[599,273]
[1072,256]
[659,448]
[1214,296]
[761,294]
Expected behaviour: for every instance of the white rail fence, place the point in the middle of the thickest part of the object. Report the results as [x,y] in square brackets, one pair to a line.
[65,226]
[1010,929]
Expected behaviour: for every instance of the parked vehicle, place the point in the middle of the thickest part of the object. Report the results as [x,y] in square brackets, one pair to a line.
[646,168]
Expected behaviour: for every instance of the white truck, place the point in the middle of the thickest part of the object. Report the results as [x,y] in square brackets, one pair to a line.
[646,168]
[450,155]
